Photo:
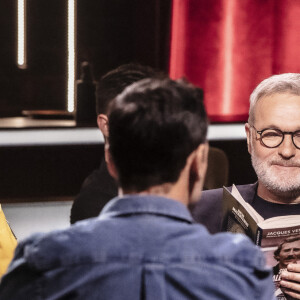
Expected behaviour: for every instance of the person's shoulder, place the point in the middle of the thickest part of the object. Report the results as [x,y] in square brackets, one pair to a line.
[248,191]
[209,199]
[42,251]
[239,250]
[208,209]
[218,193]
[212,194]
[97,189]
[100,178]
[236,261]
[228,250]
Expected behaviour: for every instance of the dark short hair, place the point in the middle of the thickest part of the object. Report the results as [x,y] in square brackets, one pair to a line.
[114,82]
[154,125]
[290,239]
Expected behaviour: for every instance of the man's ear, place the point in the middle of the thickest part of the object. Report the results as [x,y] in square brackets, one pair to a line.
[248,133]
[102,121]
[111,167]
[198,171]
[202,154]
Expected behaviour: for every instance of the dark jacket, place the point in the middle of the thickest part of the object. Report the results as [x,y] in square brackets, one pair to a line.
[98,188]
[208,210]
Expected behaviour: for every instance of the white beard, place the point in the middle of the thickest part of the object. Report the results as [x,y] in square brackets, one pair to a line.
[284,183]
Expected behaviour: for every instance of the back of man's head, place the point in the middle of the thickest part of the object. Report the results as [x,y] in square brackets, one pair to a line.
[154,125]
[115,81]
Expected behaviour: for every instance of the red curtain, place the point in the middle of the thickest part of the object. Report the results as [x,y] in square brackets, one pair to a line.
[228,46]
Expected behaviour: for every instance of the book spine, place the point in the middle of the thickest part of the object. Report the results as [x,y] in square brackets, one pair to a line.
[258,236]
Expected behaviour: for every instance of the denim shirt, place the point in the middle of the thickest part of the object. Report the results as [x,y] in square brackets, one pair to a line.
[140,247]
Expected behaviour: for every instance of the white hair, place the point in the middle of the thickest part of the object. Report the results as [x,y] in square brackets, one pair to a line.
[276,84]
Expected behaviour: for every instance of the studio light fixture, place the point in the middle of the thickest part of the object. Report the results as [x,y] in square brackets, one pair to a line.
[71,46]
[228,49]
[21,34]
[71,54]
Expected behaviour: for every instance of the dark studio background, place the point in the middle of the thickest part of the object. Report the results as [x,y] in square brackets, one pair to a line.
[109,33]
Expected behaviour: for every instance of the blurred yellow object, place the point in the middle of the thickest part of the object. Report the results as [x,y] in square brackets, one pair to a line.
[8,243]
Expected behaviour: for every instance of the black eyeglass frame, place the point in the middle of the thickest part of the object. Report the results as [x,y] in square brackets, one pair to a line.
[292,133]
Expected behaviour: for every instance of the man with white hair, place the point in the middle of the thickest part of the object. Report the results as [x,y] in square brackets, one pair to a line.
[273,138]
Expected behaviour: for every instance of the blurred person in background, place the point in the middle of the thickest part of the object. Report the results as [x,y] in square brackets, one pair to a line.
[99,187]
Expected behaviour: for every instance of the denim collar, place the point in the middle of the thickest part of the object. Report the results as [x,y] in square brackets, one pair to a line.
[146,204]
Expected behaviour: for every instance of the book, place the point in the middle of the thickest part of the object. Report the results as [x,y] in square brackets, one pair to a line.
[278,237]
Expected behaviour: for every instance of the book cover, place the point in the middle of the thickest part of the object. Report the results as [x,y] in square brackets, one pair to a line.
[278,237]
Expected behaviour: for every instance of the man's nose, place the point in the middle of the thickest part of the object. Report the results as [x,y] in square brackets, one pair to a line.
[287,148]
[292,253]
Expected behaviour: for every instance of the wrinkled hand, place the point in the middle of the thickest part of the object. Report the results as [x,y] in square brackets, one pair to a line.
[290,281]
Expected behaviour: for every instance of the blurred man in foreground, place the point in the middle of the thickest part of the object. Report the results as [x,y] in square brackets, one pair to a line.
[144,244]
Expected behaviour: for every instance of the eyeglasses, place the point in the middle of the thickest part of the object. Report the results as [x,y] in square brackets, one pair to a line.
[272,138]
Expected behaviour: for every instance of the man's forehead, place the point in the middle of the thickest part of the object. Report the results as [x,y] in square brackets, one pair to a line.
[295,244]
[279,111]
